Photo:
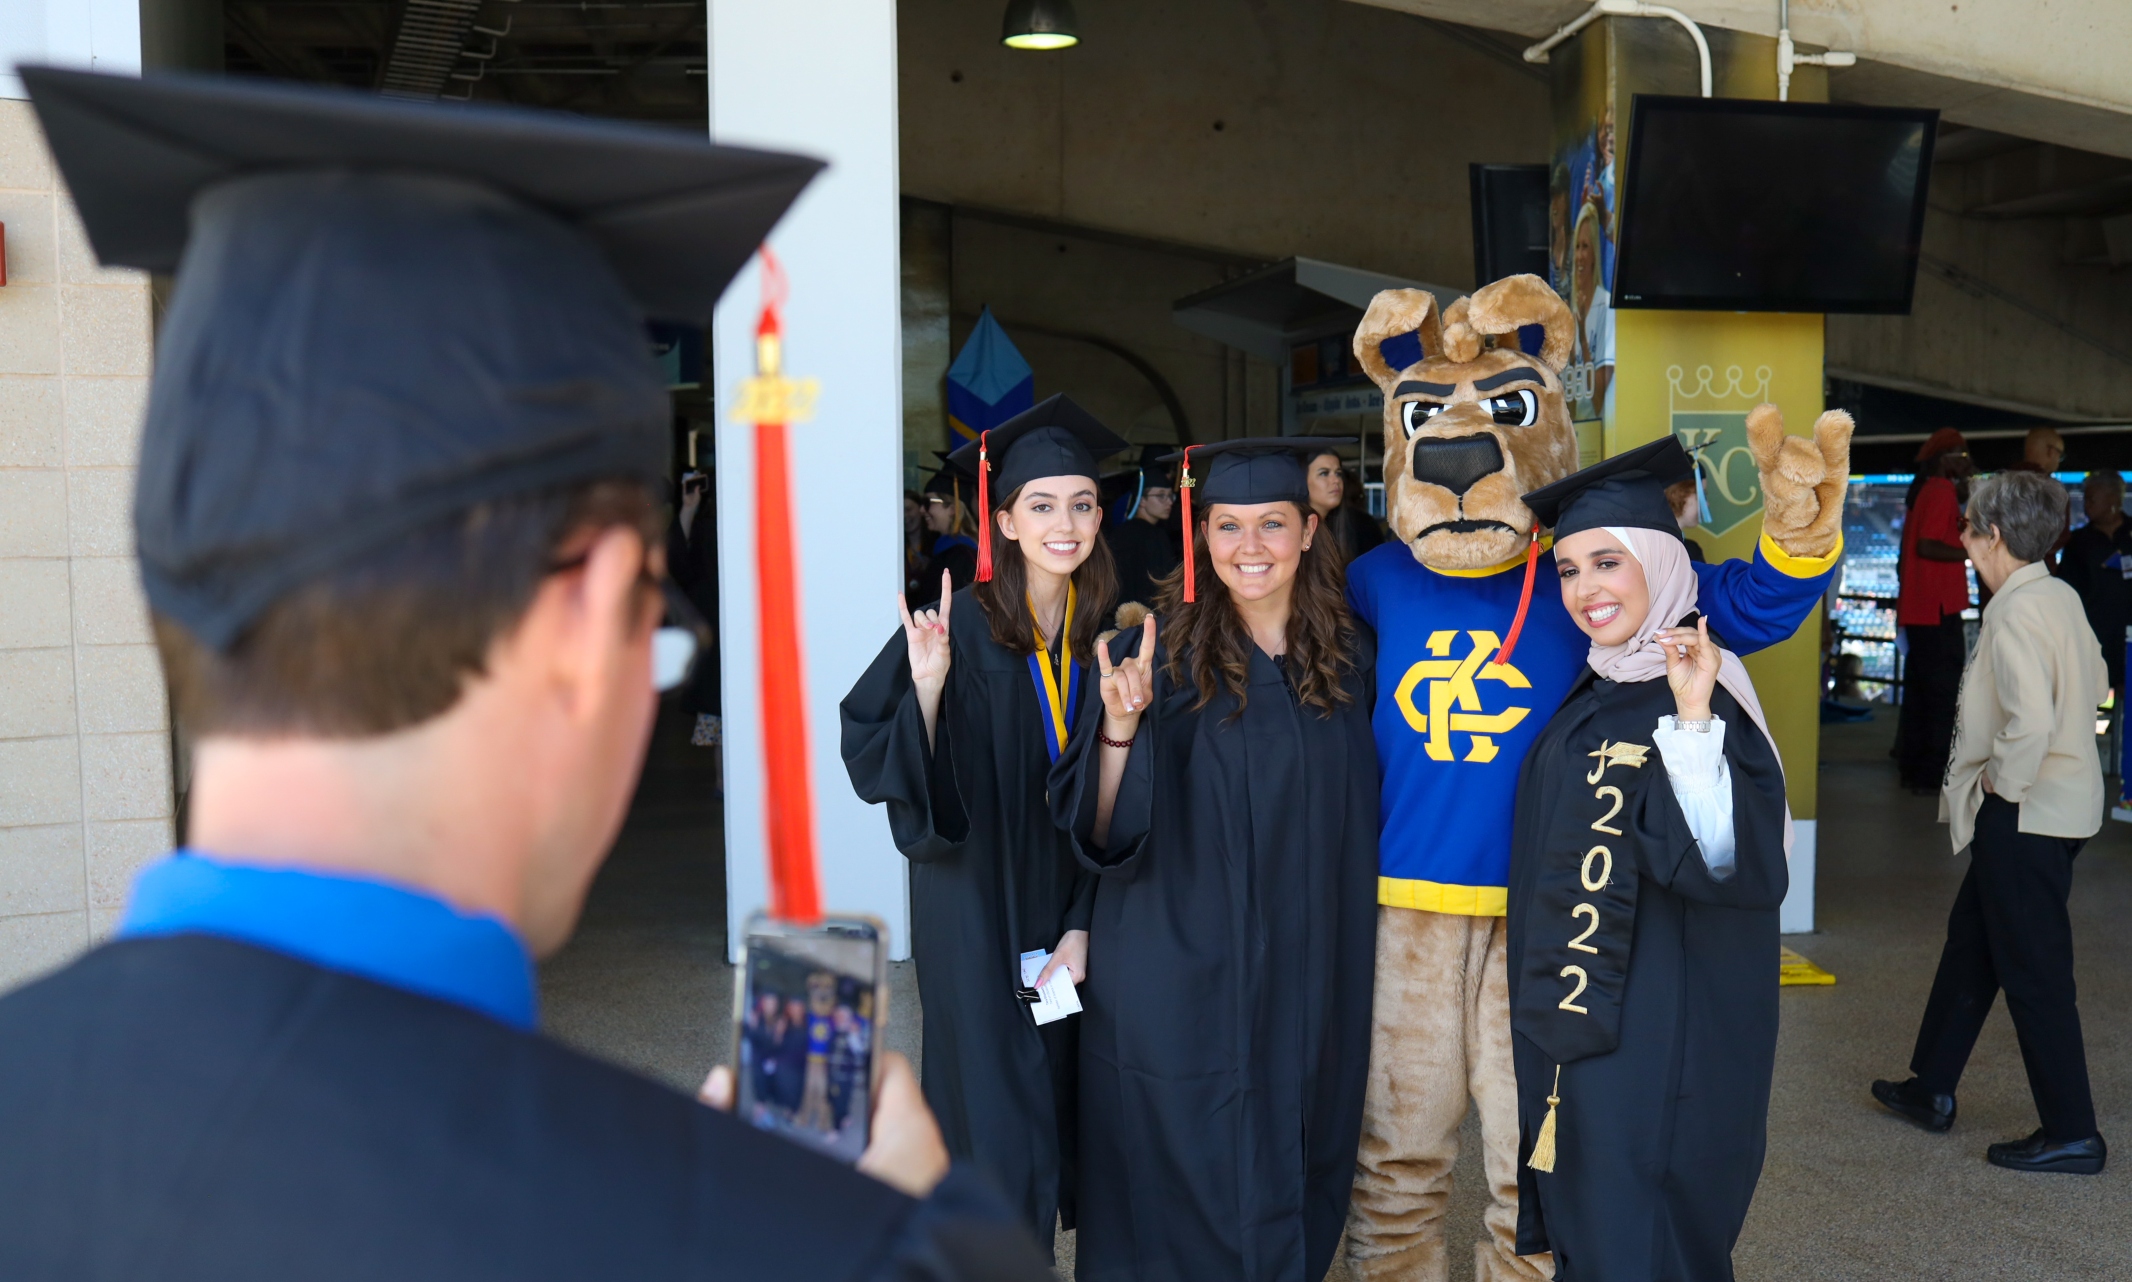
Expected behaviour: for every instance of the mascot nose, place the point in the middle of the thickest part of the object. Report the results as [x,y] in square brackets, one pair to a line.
[1457,463]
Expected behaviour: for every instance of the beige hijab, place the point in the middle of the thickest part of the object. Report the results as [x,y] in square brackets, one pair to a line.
[1672,583]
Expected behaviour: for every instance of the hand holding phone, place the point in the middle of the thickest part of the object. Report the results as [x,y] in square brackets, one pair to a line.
[905,1151]
[811,1003]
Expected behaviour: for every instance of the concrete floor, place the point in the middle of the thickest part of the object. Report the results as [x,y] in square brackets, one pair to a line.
[1848,1193]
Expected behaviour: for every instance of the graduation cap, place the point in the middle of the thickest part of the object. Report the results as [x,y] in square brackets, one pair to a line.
[1626,490]
[1053,437]
[949,480]
[1253,469]
[1151,472]
[386,312]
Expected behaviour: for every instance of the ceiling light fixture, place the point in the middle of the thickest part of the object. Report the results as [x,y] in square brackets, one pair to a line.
[1040,24]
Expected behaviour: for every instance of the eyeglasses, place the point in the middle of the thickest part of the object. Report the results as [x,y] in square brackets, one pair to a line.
[683,636]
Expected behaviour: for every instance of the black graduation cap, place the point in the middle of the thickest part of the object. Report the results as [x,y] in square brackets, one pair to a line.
[675,216]
[1256,469]
[1053,437]
[1155,469]
[949,480]
[1252,469]
[1626,490]
[386,312]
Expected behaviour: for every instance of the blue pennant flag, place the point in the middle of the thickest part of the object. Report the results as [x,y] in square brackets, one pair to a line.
[989,382]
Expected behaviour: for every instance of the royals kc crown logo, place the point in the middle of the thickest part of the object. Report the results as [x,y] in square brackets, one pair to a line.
[1449,701]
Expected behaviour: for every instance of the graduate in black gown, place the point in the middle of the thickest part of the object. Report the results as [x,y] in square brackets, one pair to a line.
[398,515]
[1647,867]
[1225,791]
[950,528]
[955,727]
[1143,538]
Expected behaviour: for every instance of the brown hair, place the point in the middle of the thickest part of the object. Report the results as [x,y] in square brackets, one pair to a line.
[1321,632]
[389,640]
[1006,597]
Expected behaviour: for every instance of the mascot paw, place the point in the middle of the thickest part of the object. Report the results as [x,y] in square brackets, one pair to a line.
[1802,481]
[1131,614]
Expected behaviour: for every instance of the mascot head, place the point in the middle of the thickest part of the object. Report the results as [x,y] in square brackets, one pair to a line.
[1474,414]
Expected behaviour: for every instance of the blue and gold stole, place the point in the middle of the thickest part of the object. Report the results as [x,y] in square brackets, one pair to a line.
[1056,691]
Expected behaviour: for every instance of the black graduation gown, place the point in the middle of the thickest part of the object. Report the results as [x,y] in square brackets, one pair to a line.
[954,553]
[1659,1141]
[1225,1044]
[190,1109]
[1144,553]
[991,878]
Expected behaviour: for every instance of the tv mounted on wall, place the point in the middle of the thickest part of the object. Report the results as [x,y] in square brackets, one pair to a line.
[1740,205]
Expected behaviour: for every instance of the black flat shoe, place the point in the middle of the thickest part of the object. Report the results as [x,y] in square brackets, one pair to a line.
[1913,1103]
[2071,1157]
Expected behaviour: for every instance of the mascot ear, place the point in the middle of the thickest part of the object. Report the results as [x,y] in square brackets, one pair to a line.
[1527,307]
[1399,330]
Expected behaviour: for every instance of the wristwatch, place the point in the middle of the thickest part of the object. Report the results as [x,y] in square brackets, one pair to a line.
[1699,727]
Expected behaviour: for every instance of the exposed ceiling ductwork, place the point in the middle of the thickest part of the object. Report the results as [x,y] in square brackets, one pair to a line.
[634,59]
[428,48]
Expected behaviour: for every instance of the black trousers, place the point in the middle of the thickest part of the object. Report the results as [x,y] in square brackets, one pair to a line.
[2009,930]
[1932,685]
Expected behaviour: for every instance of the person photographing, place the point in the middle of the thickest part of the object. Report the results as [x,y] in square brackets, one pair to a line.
[402,554]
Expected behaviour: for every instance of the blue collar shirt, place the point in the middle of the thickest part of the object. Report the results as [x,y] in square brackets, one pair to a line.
[386,933]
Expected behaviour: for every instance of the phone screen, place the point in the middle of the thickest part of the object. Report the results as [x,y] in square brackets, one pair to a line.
[810,1015]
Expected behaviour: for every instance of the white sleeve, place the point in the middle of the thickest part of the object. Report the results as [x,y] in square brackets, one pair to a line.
[1702,783]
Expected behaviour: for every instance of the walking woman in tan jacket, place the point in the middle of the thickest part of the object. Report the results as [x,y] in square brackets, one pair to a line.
[2023,793]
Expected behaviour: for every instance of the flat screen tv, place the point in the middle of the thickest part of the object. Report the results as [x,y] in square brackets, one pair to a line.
[1739,205]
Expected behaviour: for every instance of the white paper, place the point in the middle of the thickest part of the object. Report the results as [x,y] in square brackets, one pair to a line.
[1056,999]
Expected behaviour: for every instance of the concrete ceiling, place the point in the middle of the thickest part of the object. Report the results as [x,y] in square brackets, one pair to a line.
[2052,72]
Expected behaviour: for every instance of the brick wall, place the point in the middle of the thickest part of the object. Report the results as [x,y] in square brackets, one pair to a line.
[85,785]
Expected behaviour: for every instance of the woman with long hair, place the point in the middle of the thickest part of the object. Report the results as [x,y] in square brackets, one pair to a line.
[1346,522]
[955,726]
[1647,866]
[1224,792]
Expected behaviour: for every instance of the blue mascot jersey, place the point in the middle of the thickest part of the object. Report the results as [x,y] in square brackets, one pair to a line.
[1452,729]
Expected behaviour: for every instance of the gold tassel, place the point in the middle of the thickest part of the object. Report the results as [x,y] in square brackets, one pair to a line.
[1543,1148]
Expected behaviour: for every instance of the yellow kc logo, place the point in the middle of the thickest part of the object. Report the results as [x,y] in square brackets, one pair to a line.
[1454,698]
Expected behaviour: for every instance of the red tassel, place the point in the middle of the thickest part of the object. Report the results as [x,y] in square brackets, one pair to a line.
[1517,625]
[795,873]
[1185,485]
[984,510]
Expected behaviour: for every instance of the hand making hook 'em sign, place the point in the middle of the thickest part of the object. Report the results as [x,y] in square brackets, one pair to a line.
[1128,687]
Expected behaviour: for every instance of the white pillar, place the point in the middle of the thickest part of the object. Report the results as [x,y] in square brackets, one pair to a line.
[1796,916]
[101,35]
[818,78]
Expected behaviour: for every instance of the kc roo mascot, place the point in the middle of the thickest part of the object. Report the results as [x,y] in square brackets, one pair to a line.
[1470,669]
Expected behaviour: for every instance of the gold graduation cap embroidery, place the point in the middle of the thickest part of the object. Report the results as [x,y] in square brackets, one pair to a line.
[1616,754]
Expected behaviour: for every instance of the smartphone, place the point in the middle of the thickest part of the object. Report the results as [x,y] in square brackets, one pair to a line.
[810,1008]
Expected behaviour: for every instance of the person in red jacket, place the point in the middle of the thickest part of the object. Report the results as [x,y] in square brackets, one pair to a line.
[1935,592]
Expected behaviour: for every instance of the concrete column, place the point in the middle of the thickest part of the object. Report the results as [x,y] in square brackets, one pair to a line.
[85,795]
[1695,374]
[818,78]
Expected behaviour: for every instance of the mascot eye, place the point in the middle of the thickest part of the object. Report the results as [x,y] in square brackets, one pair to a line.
[1414,413]
[1515,409]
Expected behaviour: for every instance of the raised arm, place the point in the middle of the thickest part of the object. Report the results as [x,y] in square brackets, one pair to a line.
[894,745]
[1755,604]
[1127,687]
[925,635]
